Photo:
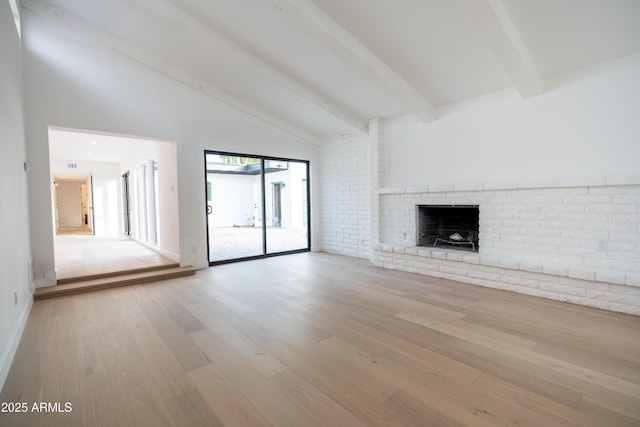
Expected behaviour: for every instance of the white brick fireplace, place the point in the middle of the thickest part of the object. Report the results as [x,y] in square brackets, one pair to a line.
[556,178]
[576,241]
[573,240]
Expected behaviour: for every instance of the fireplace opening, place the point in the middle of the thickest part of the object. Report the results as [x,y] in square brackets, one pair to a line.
[452,226]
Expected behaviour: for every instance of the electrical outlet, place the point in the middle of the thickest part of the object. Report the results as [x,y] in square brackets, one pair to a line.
[15,297]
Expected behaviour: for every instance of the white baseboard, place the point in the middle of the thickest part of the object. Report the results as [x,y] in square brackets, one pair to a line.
[5,364]
[173,256]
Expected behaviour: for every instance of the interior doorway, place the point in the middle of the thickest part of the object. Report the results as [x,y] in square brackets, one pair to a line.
[124,187]
[72,198]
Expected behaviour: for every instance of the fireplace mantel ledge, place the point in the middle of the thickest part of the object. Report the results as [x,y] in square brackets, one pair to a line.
[606,276]
[595,181]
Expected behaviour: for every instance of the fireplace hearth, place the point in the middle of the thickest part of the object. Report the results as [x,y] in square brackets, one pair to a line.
[451,226]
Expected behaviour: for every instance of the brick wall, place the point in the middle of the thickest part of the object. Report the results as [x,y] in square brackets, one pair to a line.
[576,241]
[345,197]
[511,276]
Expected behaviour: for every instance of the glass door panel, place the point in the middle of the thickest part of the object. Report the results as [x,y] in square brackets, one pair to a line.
[234,207]
[286,205]
[256,206]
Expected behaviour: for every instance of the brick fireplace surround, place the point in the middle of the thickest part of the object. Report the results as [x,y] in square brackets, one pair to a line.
[573,240]
[574,243]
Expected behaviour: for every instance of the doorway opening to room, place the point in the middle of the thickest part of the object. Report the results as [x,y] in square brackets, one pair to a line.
[114,201]
[73,202]
[257,206]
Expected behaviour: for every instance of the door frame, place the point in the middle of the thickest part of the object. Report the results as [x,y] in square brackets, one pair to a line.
[126,203]
[92,218]
[276,204]
[262,159]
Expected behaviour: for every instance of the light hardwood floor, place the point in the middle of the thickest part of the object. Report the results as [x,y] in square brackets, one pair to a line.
[316,339]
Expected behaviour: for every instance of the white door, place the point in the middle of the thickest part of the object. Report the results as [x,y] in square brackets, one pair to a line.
[69,204]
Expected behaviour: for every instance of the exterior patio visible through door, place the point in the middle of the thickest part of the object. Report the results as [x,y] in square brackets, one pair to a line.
[256,206]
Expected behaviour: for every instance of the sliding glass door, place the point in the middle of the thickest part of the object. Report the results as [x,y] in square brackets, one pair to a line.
[286,203]
[256,206]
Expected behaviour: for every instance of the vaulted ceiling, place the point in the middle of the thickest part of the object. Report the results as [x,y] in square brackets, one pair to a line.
[320,68]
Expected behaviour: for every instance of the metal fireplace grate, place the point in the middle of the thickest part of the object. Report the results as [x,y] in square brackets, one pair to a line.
[456,226]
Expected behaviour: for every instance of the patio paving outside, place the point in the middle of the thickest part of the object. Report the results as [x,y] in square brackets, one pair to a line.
[238,242]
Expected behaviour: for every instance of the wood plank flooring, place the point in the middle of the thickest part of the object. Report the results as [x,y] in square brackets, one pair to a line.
[316,339]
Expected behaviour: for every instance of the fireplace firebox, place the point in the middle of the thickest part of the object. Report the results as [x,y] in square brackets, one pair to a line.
[452,226]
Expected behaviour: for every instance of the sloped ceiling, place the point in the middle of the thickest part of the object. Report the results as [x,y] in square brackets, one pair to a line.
[322,68]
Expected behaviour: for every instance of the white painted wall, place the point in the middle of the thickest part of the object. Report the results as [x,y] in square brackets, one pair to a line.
[107,203]
[586,124]
[232,200]
[168,222]
[14,226]
[168,217]
[76,83]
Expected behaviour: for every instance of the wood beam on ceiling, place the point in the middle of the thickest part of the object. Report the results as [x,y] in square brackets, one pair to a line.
[202,34]
[149,60]
[502,37]
[311,18]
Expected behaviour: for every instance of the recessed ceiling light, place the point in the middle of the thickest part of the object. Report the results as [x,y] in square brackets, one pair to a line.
[93,143]
[89,154]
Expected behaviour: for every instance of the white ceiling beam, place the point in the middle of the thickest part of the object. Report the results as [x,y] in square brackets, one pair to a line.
[311,18]
[502,37]
[202,34]
[108,40]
